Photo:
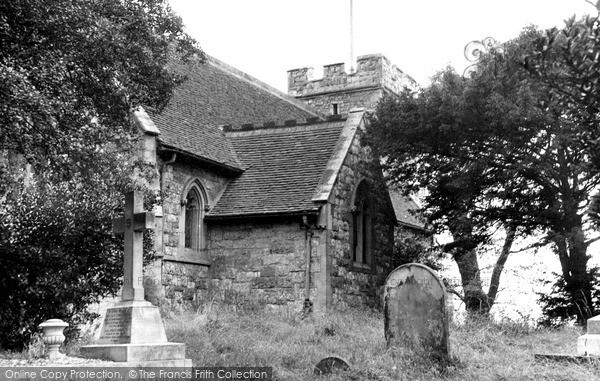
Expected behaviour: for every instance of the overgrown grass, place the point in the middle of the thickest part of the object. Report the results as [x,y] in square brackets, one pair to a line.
[292,346]
[481,351]
[35,349]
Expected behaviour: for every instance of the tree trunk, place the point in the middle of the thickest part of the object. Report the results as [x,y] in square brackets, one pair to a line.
[499,266]
[572,252]
[476,301]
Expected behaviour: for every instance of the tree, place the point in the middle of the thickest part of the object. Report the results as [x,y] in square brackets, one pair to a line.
[71,71]
[410,132]
[566,62]
[512,134]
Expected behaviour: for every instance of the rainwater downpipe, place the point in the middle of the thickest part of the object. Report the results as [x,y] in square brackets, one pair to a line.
[308,237]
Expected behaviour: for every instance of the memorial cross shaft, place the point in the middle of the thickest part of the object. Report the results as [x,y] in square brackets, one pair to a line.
[133,224]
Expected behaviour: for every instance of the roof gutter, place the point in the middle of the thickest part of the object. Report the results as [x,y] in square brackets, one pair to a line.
[412,226]
[173,149]
[233,217]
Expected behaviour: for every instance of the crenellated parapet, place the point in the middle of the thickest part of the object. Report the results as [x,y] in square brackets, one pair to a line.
[373,70]
[374,77]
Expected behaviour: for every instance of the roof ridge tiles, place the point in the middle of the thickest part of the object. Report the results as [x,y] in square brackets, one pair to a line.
[273,125]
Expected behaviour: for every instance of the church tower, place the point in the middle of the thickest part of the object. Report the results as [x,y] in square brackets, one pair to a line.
[339,92]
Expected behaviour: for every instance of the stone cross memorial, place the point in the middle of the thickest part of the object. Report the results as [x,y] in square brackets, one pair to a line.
[132,330]
[132,225]
[415,310]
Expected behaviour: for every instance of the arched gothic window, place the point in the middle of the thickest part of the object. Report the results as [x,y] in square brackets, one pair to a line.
[193,206]
[192,219]
[362,231]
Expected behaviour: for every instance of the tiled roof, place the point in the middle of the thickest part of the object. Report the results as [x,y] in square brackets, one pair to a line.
[216,94]
[406,210]
[284,166]
[185,133]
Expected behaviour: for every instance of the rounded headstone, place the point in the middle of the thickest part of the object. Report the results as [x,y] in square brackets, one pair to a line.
[415,310]
[330,364]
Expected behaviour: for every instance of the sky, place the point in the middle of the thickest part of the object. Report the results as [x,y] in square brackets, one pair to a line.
[266,38]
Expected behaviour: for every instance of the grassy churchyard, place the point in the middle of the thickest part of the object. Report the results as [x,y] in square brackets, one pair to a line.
[292,346]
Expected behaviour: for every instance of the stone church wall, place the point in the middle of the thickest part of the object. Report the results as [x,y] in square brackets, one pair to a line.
[262,262]
[181,282]
[353,286]
[345,101]
[259,263]
[253,263]
[174,179]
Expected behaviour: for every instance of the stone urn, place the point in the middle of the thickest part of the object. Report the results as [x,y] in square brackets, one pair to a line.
[53,336]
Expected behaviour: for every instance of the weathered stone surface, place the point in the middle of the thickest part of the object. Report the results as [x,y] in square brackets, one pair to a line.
[247,261]
[374,77]
[330,365]
[415,310]
[132,322]
[593,325]
[251,259]
[589,344]
[135,352]
[352,286]
[132,329]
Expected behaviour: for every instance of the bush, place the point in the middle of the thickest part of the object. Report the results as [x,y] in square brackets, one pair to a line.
[412,247]
[558,307]
[58,255]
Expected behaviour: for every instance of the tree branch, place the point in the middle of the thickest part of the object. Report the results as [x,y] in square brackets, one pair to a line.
[591,240]
[543,242]
[495,281]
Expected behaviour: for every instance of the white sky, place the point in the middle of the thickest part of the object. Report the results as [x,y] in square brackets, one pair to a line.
[265,38]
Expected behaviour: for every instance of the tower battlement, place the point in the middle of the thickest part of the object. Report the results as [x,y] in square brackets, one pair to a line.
[373,70]
[339,91]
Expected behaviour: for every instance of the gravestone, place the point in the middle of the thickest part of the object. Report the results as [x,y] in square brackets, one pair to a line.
[589,344]
[330,365]
[416,316]
[132,331]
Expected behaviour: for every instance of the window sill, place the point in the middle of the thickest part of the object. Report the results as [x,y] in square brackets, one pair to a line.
[195,257]
[362,267]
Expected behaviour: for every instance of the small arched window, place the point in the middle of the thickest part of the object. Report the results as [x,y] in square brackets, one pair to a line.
[362,231]
[192,217]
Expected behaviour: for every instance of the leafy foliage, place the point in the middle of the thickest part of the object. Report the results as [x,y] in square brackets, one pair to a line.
[515,145]
[57,257]
[71,71]
[557,306]
[412,247]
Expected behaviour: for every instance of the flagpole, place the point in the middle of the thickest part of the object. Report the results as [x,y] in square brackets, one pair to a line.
[351,37]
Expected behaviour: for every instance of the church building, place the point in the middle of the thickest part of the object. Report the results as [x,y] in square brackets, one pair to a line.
[272,199]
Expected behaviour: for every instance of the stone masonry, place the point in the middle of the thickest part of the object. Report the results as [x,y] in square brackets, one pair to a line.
[276,258]
[244,263]
[262,261]
[351,285]
[374,78]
